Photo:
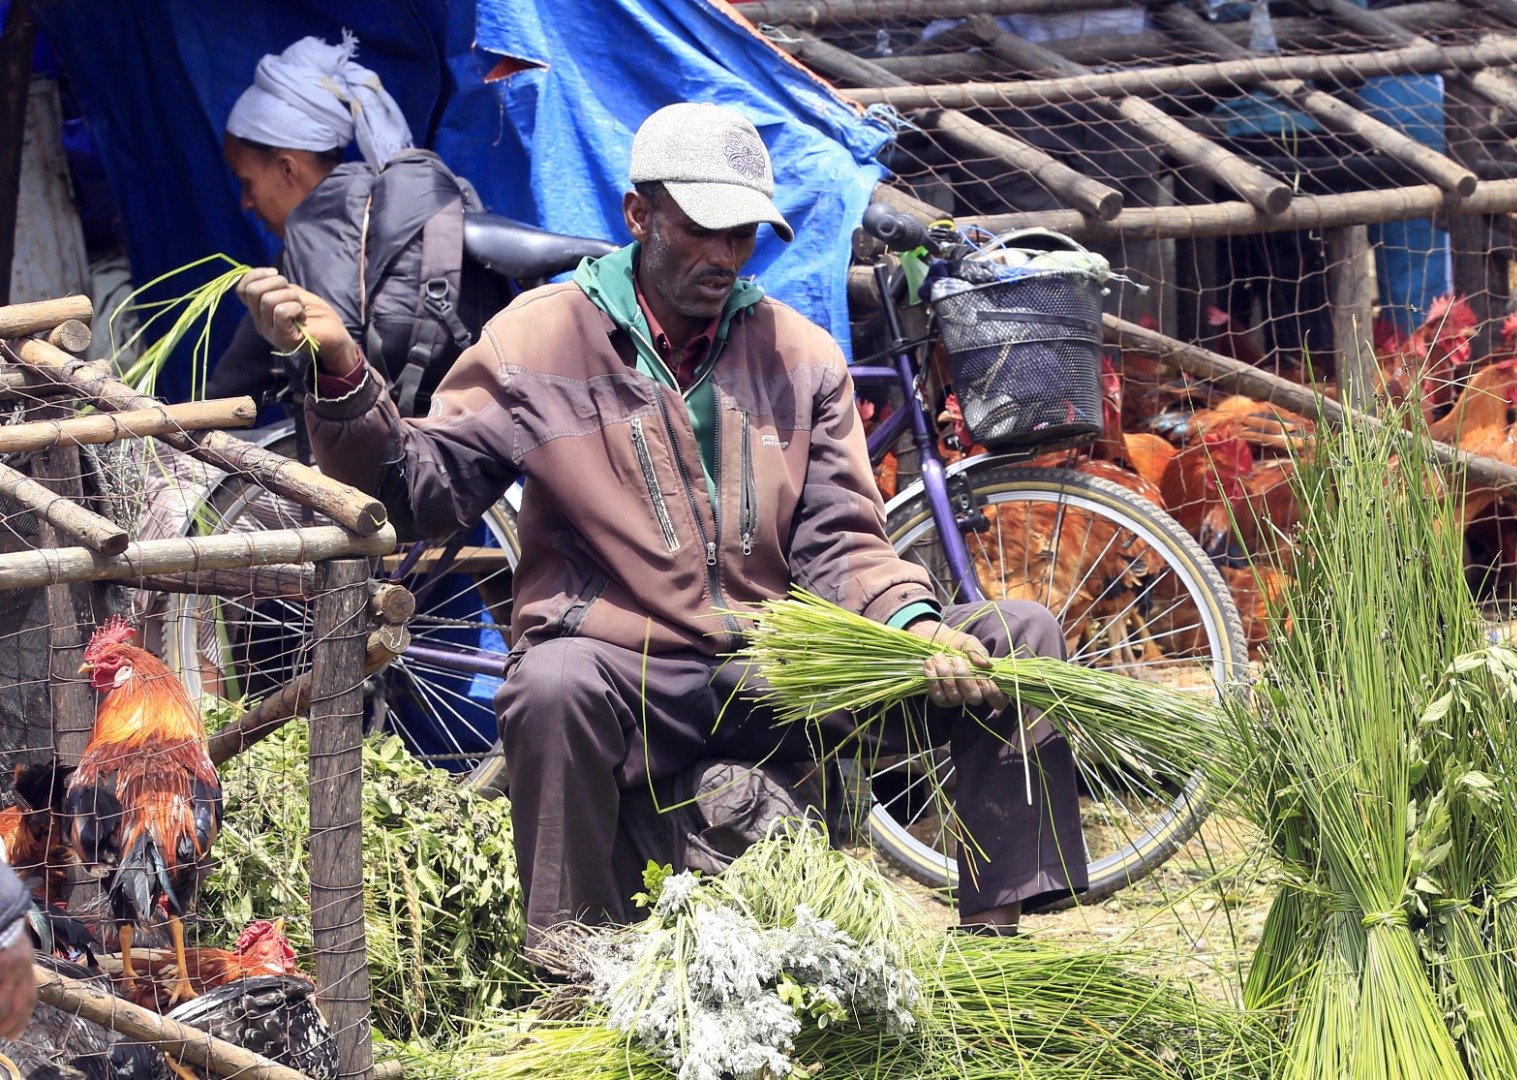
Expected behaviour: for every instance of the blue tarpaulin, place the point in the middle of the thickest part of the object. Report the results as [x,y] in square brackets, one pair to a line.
[607,64]
[548,145]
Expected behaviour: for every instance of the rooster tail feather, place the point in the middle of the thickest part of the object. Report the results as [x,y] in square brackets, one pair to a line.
[131,886]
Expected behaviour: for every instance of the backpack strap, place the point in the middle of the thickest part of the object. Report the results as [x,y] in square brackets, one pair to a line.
[437,320]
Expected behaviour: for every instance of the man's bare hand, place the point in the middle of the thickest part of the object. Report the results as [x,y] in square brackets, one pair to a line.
[18,987]
[281,310]
[951,680]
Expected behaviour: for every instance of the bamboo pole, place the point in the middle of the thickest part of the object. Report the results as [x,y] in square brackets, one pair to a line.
[970,135]
[274,582]
[40,316]
[299,483]
[71,335]
[87,527]
[292,699]
[1332,112]
[30,569]
[1156,127]
[336,794]
[1238,377]
[814,13]
[1237,74]
[137,423]
[1240,219]
[179,1041]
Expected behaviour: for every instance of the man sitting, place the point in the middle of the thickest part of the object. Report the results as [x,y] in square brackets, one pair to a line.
[690,447]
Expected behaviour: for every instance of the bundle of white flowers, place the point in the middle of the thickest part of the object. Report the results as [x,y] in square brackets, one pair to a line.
[704,986]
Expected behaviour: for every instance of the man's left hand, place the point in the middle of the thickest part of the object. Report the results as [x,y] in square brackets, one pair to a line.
[951,680]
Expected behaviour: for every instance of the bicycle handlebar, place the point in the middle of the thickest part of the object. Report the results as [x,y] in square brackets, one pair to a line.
[898,232]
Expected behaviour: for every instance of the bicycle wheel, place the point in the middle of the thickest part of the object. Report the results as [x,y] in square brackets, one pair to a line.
[1134,593]
[437,695]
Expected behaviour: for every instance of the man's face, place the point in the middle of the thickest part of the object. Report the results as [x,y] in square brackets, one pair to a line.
[692,269]
[271,185]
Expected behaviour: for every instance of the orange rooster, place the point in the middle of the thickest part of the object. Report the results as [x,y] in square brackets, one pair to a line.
[34,835]
[145,801]
[1427,362]
[261,949]
[1203,487]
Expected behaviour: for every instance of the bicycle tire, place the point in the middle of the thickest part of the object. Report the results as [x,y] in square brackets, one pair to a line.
[217,644]
[998,482]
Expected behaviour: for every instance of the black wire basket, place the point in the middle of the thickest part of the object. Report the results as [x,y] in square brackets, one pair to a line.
[1024,349]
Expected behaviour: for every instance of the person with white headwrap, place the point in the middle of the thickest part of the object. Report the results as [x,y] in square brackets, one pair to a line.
[288,131]
[285,143]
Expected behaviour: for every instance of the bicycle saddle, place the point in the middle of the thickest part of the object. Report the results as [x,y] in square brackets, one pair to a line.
[523,252]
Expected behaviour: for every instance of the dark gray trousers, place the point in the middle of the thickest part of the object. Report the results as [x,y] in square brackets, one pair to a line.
[582,720]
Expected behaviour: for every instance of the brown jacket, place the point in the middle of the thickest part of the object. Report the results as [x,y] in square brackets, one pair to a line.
[619,541]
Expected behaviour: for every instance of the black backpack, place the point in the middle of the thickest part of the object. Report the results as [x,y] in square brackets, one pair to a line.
[386,250]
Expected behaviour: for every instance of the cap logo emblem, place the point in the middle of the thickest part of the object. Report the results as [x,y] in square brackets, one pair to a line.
[745,155]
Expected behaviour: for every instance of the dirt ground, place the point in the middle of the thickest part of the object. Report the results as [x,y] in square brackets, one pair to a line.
[1199,915]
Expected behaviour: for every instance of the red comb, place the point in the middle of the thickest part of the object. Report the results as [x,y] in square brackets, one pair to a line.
[114,631]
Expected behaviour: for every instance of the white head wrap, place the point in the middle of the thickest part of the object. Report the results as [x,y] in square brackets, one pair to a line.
[313,96]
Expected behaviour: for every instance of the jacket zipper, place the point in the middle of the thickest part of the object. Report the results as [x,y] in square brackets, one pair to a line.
[655,493]
[750,516]
[712,545]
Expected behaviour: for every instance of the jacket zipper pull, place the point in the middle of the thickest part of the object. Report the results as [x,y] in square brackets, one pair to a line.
[748,543]
[710,552]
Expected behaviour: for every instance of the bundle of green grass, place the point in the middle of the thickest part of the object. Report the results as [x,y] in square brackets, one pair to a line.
[802,960]
[1378,759]
[442,907]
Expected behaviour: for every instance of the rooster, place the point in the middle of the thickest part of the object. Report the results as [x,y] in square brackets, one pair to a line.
[261,949]
[33,833]
[145,801]
[1203,489]
[1429,360]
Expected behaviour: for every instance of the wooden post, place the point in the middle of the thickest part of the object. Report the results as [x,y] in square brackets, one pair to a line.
[1154,126]
[336,792]
[16,44]
[136,423]
[1352,297]
[72,336]
[1478,275]
[73,610]
[41,316]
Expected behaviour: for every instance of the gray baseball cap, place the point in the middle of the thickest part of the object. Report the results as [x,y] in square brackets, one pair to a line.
[713,164]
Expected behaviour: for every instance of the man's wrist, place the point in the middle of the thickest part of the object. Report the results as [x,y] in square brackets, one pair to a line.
[343,362]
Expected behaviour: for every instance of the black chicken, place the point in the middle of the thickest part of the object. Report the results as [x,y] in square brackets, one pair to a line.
[272,1015]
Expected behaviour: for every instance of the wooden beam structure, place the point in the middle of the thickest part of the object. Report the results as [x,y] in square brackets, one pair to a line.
[349,507]
[138,423]
[1099,200]
[62,513]
[229,551]
[1155,127]
[1220,75]
[814,13]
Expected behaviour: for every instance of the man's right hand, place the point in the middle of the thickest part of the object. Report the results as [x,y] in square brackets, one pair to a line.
[281,310]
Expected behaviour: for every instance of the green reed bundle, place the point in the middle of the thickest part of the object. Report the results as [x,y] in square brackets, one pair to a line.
[1364,760]
[988,1009]
[191,313]
[818,658]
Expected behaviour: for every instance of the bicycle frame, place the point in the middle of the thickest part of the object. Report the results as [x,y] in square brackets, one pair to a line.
[934,480]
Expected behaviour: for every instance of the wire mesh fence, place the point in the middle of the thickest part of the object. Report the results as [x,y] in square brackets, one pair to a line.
[343,868]
[1320,190]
